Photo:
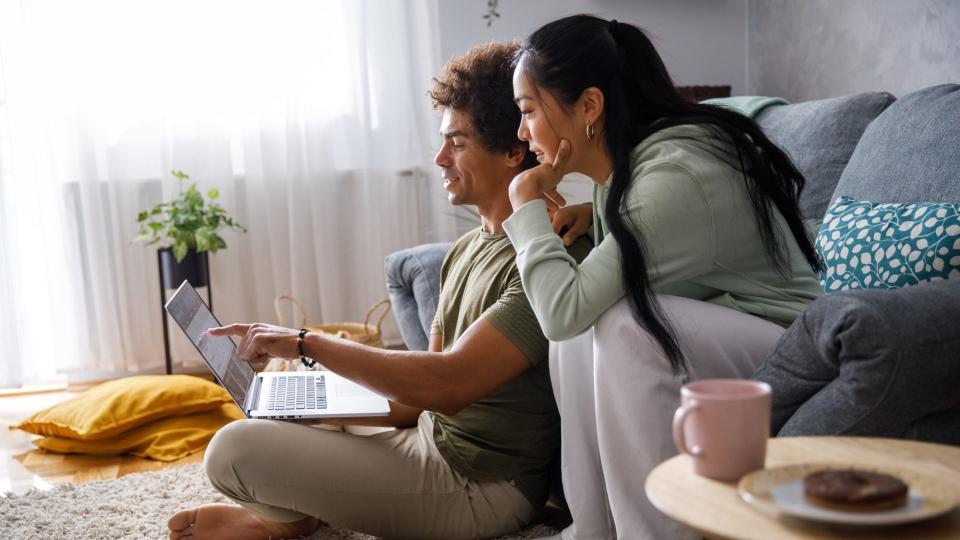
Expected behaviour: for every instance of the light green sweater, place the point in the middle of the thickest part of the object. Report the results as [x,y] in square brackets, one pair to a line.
[700,235]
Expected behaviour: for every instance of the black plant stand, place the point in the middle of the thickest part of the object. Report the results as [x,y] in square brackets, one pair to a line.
[195,268]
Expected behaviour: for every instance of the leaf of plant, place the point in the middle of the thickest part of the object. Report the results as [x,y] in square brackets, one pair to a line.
[180,236]
[204,237]
[194,198]
[179,251]
[213,193]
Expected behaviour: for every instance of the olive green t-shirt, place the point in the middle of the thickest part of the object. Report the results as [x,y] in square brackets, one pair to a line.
[512,433]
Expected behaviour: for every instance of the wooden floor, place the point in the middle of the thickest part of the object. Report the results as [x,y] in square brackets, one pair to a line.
[24,466]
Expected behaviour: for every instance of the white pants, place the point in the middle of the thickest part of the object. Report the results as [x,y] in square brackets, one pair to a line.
[617,396]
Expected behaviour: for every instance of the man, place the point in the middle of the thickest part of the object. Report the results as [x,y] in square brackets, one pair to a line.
[478,422]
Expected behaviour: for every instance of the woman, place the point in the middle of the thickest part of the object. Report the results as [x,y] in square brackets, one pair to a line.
[701,256]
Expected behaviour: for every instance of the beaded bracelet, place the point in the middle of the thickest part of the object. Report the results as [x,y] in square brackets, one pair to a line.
[303,358]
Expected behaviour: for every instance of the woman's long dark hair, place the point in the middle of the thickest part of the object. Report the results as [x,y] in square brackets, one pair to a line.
[572,54]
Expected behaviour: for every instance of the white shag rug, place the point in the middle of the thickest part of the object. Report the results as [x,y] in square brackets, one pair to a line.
[135,506]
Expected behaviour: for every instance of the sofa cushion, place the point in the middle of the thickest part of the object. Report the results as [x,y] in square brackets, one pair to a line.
[910,153]
[819,136]
[869,245]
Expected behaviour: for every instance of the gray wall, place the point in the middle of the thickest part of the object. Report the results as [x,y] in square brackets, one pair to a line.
[701,41]
[797,49]
[813,49]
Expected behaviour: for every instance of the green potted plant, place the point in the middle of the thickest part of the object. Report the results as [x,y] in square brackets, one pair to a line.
[186,229]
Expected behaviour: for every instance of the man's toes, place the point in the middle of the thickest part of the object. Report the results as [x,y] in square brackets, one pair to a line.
[181,535]
[182,520]
[177,535]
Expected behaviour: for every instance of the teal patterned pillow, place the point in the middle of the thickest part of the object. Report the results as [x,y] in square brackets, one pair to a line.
[884,246]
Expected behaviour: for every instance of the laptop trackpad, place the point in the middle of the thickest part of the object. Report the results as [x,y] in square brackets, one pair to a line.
[346,390]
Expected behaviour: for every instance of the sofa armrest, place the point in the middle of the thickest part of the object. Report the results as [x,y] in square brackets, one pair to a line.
[413,283]
[881,362]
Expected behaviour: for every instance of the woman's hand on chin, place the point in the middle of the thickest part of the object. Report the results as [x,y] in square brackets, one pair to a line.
[541,181]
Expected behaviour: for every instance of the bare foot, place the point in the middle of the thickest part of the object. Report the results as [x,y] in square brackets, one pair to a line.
[233,522]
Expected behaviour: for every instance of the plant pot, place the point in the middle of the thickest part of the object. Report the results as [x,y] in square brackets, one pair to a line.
[193,268]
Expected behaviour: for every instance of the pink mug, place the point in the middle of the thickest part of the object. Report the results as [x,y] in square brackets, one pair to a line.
[723,425]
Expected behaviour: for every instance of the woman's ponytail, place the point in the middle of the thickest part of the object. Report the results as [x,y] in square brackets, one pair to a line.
[572,54]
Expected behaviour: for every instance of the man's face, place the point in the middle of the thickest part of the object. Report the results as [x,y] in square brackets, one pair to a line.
[471,173]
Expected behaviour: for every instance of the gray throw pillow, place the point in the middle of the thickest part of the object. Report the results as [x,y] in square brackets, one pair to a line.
[910,153]
[819,136]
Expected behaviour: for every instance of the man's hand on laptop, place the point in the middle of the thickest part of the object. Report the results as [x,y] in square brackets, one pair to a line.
[261,342]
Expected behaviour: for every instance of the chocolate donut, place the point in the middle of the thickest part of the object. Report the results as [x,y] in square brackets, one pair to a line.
[854,489]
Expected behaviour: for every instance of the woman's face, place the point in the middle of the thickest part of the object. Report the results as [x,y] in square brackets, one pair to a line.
[543,120]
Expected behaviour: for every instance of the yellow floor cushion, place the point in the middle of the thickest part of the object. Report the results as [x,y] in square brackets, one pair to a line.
[166,439]
[120,405]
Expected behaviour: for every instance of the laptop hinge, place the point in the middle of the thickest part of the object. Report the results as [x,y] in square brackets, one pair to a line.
[253,398]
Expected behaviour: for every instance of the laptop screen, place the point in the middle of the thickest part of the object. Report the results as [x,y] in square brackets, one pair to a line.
[194,318]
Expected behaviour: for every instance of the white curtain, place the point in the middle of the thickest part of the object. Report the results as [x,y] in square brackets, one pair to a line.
[309,117]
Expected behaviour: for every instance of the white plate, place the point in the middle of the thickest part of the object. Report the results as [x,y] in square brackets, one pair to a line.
[782,488]
[789,498]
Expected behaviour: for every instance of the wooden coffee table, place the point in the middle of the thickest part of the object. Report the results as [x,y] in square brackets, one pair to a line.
[715,509]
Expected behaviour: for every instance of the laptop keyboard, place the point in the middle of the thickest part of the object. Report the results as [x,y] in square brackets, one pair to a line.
[296,392]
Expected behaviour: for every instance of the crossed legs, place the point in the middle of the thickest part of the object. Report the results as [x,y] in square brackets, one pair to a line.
[285,477]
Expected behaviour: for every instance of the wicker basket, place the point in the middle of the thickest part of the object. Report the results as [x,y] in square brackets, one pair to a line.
[364,333]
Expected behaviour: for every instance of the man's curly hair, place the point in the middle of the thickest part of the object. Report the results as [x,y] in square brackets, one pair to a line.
[479,83]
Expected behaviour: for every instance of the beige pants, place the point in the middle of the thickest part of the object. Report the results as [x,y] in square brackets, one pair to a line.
[393,484]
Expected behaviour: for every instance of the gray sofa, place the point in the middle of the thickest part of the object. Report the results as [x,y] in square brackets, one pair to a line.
[872,362]
[878,362]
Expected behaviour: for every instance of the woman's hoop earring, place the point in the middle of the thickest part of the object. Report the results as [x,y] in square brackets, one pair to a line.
[590,132]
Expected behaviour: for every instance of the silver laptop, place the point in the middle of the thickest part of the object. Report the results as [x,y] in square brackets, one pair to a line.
[284,395]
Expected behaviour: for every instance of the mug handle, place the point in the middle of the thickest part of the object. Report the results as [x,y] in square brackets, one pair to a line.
[679,418]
